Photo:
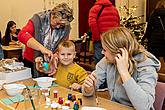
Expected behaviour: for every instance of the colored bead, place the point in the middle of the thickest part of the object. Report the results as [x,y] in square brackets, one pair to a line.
[80,100]
[46,66]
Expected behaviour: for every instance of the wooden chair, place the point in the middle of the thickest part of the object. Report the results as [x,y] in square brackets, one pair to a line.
[85,54]
[161,73]
[159,103]
[87,67]
[161,77]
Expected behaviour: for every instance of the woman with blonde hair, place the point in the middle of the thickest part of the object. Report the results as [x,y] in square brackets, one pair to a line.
[130,71]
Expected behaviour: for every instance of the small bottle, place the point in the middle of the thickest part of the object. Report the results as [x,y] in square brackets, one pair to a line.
[65,108]
[60,100]
[55,92]
[54,105]
[76,106]
[48,102]
[69,96]
[67,103]
[73,98]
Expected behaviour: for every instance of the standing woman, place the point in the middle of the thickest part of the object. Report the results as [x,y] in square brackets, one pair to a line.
[155,32]
[43,32]
[102,16]
[10,33]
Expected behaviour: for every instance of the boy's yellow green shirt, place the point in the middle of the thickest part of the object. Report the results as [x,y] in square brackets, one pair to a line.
[67,75]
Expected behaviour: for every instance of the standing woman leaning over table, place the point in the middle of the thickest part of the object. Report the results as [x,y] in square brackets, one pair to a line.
[130,70]
[43,32]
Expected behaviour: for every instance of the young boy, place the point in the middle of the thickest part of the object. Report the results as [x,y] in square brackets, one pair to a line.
[68,73]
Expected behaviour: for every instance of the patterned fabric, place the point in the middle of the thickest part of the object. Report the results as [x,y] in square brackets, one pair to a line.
[43,31]
[67,75]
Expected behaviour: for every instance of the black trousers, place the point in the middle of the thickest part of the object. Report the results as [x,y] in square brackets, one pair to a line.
[29,64]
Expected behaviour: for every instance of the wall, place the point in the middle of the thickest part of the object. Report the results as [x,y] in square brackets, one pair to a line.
[21,10]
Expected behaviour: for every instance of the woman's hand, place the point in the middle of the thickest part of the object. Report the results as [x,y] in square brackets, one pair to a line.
[39,62]
[53,65]
[48,55]
[51,69]
[90,83]
[122,64]
[75,86]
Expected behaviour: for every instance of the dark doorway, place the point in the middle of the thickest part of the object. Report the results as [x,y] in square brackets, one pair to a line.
[84,7]
[150,7]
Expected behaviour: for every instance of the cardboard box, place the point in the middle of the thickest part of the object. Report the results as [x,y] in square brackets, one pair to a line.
[16,75]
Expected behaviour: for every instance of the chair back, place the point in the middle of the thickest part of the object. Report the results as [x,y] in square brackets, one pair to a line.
[82,49]
[87,67]
[159,96]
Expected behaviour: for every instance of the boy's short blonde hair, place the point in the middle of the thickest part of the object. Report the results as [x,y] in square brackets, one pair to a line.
[67,44]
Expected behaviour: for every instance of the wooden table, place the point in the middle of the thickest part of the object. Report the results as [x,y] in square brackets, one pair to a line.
[63,92]
[12,51]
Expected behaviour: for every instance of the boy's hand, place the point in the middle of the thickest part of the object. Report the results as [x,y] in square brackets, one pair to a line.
[48,55]
[53,65]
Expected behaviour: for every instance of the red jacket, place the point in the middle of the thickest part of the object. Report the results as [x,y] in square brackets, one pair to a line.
[108,18]
[24,35]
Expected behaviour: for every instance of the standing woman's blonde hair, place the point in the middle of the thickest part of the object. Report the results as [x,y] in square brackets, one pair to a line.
[121,37]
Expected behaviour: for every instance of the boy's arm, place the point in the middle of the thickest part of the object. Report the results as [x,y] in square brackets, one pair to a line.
[81,75]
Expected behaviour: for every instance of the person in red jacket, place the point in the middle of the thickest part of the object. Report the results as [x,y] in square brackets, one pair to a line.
[102,16]
[43,32]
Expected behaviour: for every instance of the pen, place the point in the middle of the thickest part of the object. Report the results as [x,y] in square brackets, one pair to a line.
[31,99]
[96,98]
[16,105]
[34,84]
